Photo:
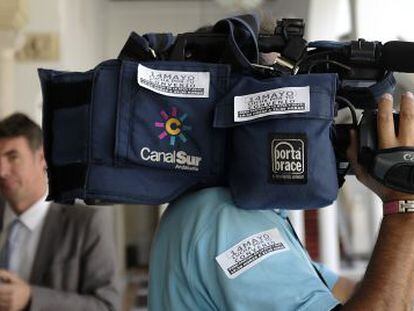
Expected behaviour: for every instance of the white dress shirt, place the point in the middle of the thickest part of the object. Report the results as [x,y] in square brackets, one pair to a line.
[23,254]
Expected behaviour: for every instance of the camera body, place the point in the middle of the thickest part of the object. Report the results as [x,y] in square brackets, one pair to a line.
[179,113]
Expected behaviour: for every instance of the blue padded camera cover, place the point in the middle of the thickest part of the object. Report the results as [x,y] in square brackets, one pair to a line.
[282,154]
[132,132]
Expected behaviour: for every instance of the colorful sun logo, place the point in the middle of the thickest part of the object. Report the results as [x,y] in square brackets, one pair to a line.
[173,126]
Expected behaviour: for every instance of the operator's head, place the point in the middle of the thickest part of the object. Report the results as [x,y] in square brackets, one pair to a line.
[22,163]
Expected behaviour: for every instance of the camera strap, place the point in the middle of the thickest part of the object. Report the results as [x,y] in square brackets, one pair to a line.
[151,46]
[242,48]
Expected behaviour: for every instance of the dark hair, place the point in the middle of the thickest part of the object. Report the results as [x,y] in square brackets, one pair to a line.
[19,124]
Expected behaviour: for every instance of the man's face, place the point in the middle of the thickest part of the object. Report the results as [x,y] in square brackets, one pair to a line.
[22,175]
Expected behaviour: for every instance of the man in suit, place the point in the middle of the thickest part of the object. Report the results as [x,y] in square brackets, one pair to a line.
[52,257]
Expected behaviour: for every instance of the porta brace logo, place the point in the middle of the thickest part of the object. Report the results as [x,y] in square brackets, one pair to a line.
[288,156]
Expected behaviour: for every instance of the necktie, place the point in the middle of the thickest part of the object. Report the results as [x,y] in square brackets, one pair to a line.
[10,243]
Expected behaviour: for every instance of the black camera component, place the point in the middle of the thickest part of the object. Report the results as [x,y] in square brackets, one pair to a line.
[364,71]
[219,44]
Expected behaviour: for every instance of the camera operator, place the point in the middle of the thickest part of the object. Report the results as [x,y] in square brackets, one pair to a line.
[388,281]
[203,236]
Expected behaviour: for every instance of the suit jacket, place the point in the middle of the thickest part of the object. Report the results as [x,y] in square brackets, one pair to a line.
[74,267]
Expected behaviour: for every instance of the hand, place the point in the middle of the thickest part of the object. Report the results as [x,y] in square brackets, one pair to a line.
[387,139]
[15,293]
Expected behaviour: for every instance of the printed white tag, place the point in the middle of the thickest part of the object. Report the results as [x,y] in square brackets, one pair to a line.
[175,83]
[277,101]
[251,251]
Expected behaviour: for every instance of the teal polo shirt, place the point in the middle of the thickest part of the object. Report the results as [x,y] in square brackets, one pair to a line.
[210,255]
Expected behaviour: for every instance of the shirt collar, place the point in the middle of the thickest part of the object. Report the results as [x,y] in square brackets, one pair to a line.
[32,217]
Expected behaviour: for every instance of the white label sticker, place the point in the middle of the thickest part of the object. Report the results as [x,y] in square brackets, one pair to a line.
[251,251]
[277,101]
[175,83]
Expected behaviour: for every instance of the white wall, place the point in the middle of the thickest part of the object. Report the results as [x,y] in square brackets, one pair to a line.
[80,27]
[384,20]
[328,20]
[43,17]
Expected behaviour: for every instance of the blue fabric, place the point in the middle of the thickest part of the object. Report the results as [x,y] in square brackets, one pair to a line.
[160,42]
[185,275]
[252,162]
[328,275]
[140,111]
[100,125]
[242,47]
[386,85]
